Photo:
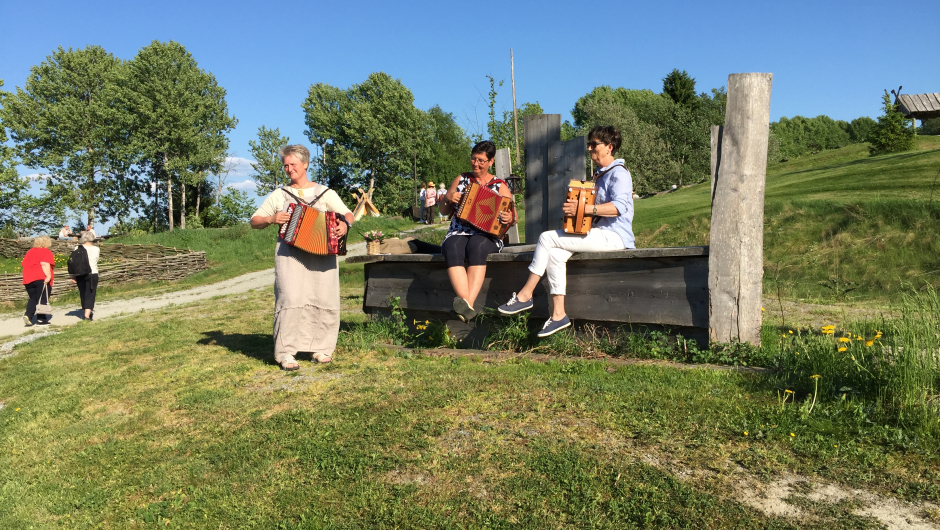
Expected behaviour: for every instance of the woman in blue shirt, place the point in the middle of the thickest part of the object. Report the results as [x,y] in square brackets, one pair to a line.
[612,230]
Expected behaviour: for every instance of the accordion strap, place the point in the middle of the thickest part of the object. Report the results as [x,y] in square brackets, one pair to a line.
[301,201]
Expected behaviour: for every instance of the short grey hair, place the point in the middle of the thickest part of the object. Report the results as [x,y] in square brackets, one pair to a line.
[86,237]
[297,150]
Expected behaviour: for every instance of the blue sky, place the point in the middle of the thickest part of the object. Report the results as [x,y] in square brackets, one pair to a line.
[832,58]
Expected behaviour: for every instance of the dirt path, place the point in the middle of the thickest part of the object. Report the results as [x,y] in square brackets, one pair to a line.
[69,315]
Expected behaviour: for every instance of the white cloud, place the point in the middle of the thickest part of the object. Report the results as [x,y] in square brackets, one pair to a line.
[244,185]
[241,167]
[38,176]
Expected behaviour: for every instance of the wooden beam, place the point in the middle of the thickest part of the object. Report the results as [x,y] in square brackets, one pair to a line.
[737,228]
[716,157]
[540,131]
[503,170]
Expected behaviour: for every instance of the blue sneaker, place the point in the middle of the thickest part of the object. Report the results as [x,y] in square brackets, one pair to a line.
[553,326]
[514,306]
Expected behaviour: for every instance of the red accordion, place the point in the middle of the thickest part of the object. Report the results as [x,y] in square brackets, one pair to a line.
[480,207]
[311,230]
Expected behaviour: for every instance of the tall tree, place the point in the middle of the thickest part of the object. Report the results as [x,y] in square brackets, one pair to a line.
[891,134]
[679,86]
[71,120]
[269,173]
[370,130]
[182,118]
[445,148]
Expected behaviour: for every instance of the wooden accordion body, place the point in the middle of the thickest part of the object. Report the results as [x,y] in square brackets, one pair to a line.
[480,207]
[310,230]
[584,193]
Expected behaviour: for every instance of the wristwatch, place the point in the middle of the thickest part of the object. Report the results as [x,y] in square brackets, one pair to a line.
[595,210]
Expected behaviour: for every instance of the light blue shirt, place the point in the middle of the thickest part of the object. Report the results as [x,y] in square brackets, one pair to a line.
[615,185]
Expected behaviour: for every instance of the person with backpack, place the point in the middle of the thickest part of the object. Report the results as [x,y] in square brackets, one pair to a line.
[83,269]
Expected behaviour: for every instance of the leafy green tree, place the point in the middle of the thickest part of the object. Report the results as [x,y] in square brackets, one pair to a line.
[71,120]
[891,134]
[181,119]
[680,87]
[445,149]
[234,208]
[503,134]
[269,173]
[370,130]
[860,128]
[931,126]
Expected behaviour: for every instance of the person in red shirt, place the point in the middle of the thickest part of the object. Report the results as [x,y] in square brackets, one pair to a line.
[37,275]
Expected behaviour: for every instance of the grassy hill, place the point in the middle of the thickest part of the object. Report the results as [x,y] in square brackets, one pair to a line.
[838,226]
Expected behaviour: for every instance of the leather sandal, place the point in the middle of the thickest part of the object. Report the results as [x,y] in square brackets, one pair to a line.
[290,364]
[322,358]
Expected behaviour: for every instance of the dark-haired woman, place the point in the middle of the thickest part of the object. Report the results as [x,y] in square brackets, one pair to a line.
[464,243]
[612,230]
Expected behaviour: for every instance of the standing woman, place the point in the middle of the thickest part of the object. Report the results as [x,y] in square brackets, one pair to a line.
[38,265]
[88,283]
[464,243]
[612,230]
[306,286]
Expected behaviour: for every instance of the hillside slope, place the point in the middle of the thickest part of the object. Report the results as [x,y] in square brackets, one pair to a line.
[839,225]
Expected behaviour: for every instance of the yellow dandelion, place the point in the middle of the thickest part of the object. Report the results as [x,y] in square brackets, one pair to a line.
[869,343]
[791,332]
[859,338]
[745,433]
[814,376]
[17,409]
[843,348]
[762,310]
[791,434]
[785,392]
[843,339]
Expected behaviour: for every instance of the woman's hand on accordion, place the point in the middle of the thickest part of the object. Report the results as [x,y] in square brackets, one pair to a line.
[505,217]
[453,198]
[280,218]
[340,229]
[570,208]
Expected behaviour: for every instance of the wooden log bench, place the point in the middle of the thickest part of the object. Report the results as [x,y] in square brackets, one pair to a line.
[651,287]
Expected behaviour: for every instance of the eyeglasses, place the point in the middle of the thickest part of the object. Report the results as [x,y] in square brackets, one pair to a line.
[592,145]
[479,161]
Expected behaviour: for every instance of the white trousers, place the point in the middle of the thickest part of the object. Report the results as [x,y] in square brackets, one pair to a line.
[555,247]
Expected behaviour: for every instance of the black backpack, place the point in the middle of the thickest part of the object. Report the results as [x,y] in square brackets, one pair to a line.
[78,262]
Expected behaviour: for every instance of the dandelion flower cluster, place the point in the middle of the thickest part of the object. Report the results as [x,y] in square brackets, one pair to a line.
[828,330]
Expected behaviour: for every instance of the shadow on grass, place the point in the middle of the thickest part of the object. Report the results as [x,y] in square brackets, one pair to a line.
[255,345]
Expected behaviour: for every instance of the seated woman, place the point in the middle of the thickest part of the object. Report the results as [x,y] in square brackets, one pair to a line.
[612,230]
[463,242]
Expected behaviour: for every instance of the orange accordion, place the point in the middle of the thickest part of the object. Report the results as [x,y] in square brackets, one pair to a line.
[311,230]
[480,207]
[584,193]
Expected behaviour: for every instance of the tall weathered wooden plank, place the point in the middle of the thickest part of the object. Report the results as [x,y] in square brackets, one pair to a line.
[503,170]
[736,252]
[716,157]
[566,163]
[540,131]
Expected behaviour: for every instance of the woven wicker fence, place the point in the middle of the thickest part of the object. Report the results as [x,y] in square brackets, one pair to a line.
[128,263]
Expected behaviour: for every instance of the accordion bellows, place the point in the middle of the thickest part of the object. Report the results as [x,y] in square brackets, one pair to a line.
[480,207]
[310,230]
[584,193]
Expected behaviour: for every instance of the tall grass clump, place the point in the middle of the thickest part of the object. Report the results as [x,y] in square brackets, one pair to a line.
[892,369]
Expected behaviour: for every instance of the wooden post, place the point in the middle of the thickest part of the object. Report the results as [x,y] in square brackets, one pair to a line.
[716,157]
[566,163]
[503,170]
[539,131]
[515,118]
[736,253]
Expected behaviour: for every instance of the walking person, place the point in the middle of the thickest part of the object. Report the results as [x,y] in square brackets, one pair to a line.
[85,272]
[430,200]
[306,286]
[38,273]
[612,230]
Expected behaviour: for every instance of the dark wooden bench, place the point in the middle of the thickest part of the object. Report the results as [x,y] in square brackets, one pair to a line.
[652,287]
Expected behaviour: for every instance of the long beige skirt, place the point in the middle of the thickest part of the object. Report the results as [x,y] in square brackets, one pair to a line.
[306,302]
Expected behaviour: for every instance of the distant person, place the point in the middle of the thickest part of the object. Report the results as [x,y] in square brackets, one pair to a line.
[612,230]
[86,278]
[306,286]
[441,191]
[465,248]
[430,200]
[91,231]
[38,273]
[66,233]
[421,197]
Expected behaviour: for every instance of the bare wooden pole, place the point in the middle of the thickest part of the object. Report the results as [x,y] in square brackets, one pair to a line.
[515,118]
[736,246]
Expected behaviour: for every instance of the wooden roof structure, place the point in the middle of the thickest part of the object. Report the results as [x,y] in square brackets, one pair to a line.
[920,106]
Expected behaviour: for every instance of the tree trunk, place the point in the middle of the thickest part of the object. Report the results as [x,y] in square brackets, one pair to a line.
[169,200]
[183,205]
[156,195]
[198,195]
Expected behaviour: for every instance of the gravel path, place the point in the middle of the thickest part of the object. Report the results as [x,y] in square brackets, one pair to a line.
[67,316]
